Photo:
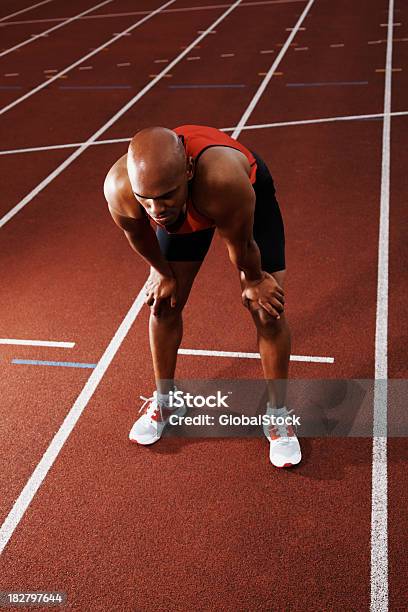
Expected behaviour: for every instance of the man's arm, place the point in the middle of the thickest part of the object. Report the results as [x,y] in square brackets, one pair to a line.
[137,230]
[142,238]
[233,213]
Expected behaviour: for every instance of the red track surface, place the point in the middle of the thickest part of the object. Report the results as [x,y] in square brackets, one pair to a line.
[195,523]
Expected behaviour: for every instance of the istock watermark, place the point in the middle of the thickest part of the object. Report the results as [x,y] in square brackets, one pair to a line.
[260,419]
[228,420]
[178,398]
[334,408]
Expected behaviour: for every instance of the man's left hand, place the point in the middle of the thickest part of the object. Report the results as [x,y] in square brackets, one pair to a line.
[267,293]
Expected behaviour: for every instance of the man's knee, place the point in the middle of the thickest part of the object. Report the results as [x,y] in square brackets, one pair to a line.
[168,312]
[266,323]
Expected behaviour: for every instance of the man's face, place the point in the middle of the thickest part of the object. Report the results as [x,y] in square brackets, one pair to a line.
[163,198]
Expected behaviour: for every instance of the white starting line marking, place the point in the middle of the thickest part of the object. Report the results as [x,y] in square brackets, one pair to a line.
[239,355]
[15,342]
[261,126]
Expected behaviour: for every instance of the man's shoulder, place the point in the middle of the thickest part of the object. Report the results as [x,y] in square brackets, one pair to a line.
[117,179]
[117,187]
[222,172]
[222,180]
[221,166]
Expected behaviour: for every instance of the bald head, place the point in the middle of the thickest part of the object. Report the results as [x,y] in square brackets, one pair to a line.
[159,172]
[156,153]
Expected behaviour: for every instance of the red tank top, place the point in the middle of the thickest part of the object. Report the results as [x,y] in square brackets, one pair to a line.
[196,140]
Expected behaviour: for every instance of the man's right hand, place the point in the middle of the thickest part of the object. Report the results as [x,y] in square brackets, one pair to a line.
[158,289]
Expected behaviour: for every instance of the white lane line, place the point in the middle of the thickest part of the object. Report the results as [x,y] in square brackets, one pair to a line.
[28,8]
[72,145]
[60,25]
[240,355]
[261,126]
[269,75]
[11,213]
[83,59]
[379,480]
[47,460]
[206,7]
[15,342]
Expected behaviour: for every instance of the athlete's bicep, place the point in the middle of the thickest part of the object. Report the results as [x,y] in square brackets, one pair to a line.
[234,216]
[136,226]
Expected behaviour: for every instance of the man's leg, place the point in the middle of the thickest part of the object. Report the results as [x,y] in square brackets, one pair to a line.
[274,345]
[166,330]
[165,333]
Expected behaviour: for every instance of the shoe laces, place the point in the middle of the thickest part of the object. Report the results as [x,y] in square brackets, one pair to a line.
[150,407]
[282,432]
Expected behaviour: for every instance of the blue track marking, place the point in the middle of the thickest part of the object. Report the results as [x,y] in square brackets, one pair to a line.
[205,86]
[66,364]
[87,87]
[327,84]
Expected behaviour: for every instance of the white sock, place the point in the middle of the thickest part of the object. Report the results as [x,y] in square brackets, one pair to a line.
[163,399]
[277,411]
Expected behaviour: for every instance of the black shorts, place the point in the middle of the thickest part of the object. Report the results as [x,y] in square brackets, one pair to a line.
[268,229]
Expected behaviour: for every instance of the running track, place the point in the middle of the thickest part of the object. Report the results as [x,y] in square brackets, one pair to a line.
[197,523]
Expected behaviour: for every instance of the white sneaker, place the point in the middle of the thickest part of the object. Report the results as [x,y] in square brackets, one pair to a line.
[284,447]
[149,427]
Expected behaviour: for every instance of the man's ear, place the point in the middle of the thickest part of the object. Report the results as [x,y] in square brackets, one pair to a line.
[190,167]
